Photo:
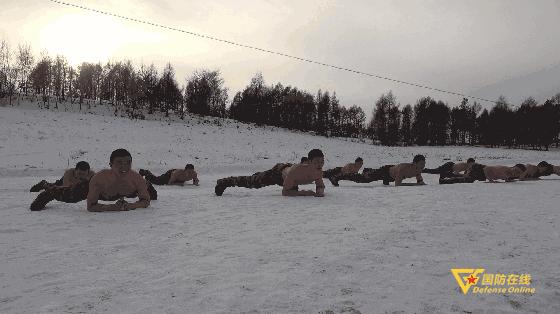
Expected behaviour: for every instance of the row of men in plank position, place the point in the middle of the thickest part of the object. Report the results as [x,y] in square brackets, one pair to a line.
[120,181]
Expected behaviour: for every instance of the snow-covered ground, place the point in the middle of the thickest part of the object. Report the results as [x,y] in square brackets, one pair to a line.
[363,247]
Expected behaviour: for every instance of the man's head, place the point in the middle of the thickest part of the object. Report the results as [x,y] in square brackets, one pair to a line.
[359,160]
[82,170]
[316,158]
[470,161]
[304,160]
[189,169]
[545,169]
[420,161]
[120,161]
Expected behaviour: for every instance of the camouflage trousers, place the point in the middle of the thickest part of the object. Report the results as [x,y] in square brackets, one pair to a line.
[445,169]
[46,185]
[160,180]
[259,179]
[476,173]
[369,175]
[332,172]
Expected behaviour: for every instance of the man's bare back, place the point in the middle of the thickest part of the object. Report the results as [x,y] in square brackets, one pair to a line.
[180,176]
[70,178]
[506,173]
[406,170]
[352,167]
[460,167]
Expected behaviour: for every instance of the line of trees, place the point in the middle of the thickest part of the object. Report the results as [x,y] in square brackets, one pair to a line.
[139,90]
[431,122]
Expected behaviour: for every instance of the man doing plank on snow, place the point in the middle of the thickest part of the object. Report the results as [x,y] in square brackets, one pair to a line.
[284,174]
[389,173]
[109,185]
[82,172]
[172,177]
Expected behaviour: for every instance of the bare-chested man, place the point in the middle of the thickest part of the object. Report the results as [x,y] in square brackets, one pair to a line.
[118,182]
[82,172]
[533,172]
[451,172]
[450,168]
[390,173]
[474,172]
[172,177]
[350,168]
[509,174]
[284,174]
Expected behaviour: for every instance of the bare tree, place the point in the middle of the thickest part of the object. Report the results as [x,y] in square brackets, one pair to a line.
[24,65]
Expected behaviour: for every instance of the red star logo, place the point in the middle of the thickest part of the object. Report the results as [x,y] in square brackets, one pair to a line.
[472,279]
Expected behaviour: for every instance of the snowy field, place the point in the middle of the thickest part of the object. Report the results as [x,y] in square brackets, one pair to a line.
[362,248]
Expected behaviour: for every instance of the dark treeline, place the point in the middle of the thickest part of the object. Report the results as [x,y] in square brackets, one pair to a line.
[139,90]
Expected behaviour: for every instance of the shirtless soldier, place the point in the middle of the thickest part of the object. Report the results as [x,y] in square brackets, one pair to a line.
[533,172]
[172,177]
[80,191]
[81,172]
[350,168]
[450,169]
[390,173]
[284,174]
[473,173]
[509,174]
[117,183]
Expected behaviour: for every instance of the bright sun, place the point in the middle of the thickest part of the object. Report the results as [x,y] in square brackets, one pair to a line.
[86,37]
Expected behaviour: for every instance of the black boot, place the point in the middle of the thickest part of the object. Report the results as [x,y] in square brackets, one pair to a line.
[144,172]
[42,199]
[333,180]
[221,186]
[152,191]
[39,186]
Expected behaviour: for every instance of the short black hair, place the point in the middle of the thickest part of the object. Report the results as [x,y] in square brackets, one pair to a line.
[314,153]
[359,159]
[418,158]
[470,160]
[303,159]
[521,166]
[549,169]
[189,166]
[121,152]
[82,165]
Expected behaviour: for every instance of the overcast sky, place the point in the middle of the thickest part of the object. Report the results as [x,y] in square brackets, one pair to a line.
[457,45]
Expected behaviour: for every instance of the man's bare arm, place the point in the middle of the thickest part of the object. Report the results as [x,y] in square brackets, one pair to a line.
[419,179]
[319,187]
[93,206]
[141,203]
[143,196]
[172,178]
[398,178]
[287,189]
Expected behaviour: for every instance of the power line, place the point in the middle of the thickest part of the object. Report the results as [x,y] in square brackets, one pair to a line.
[270,51]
